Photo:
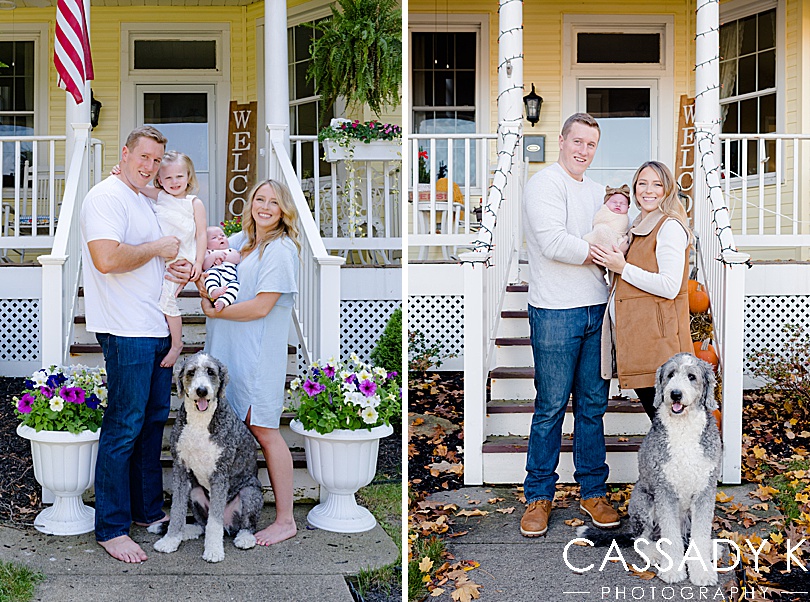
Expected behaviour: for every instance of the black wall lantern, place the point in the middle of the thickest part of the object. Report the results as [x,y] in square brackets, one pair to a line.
[95,110]
[533,103]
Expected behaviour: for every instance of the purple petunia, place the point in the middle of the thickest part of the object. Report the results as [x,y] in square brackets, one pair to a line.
[47,393]
[312,388]
[92,402]
[391,374]
[25,404]
[329,371]
[316,372]
[368,388]
[72,394]
[352,378]
[55,380]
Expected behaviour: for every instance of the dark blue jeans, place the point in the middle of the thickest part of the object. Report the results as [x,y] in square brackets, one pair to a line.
[129,479]
[566,346]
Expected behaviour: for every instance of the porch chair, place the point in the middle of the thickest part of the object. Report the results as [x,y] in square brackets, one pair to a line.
[43,200]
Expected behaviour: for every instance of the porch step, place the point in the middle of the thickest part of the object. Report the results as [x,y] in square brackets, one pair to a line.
[624,417]
[293,439]
[505,459]
[512,382]
[516,298]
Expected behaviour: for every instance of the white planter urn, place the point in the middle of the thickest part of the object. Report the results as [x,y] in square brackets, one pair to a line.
[376,150]
[342,462]
[65,464]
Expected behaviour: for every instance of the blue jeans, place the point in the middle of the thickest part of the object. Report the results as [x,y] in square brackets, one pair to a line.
[566,345]
[129,479]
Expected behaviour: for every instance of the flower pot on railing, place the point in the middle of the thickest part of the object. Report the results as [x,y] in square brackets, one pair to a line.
[376,150]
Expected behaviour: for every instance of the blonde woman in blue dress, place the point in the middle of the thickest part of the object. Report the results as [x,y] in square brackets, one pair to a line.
[250,336]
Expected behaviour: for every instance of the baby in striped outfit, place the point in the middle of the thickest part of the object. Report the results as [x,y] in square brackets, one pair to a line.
[220,269]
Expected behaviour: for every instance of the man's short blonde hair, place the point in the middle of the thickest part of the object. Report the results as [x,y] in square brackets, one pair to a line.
[582,118]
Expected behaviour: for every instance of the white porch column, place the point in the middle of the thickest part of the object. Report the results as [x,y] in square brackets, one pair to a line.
[510,67]
[707,70]
[276,84]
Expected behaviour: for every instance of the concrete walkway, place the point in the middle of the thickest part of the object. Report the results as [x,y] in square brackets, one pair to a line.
[310,566]
[514,568]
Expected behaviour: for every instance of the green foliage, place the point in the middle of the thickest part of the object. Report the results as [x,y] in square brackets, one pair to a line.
[63,399]
[332,396]
[789,487]
[787,371]
[344,131]
[232,226]
[422,356]
[388,352]
[17,582]
[359,55]
[432,548]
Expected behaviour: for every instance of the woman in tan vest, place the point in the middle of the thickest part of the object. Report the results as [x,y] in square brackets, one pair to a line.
[648,307]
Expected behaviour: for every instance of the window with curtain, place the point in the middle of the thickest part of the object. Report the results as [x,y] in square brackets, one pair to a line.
[307,112]
[443,81]
[16,101]
[748,86]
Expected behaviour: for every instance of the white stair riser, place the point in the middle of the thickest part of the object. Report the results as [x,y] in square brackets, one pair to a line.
[513,327]
[616,423]
[513,356]
[193,334]
[189,306]
[516,301]
[508,469]
[512,388]
[305,489]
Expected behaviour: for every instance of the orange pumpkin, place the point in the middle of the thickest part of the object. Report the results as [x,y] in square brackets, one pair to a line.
[693,286]
[718,418]
[706,352]
[698,300]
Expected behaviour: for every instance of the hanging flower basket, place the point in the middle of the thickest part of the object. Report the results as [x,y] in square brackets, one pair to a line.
[377,150]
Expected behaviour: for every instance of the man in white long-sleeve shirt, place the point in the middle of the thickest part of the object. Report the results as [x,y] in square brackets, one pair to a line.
[567,298]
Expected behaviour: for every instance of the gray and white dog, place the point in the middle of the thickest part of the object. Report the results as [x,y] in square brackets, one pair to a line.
[214,464]
[678,466]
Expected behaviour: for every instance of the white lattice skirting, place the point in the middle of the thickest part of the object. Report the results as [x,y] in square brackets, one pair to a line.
[19,330]
[764,318]
[441,319]
[361,324]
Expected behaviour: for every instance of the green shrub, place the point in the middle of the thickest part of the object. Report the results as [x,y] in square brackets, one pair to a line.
[388,352]
[422,355]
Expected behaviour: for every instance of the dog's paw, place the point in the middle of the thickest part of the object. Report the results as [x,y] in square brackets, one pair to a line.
[217,555]
[192,531]
[167,544]
[701,577]
[244,540]
[672,576]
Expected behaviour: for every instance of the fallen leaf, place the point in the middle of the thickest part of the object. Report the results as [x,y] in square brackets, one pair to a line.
[466,591]
[417,421]
[505,510]
[425,564]
[436,592]
[574,522]
[494,500]
[722,497]
[475,512]
[441,450]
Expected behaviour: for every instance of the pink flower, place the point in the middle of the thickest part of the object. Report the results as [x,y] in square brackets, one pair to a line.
[312,388]
[47,392]
[72,394]
[25,403]
[368,388]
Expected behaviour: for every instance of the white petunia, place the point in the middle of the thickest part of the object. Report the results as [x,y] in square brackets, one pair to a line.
[40,377]
[101,393]
[374,400]
[57,403]
[369,415]
[350,387]
[364,375]
[295,384]
[380,372]
[355,358]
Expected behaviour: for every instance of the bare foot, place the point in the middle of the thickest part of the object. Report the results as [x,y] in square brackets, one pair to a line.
[171,357]
[216,292]
[124,549]
[276,532]
[219,305]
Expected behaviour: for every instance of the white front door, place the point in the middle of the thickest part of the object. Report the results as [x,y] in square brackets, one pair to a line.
[186,115]
[627,112]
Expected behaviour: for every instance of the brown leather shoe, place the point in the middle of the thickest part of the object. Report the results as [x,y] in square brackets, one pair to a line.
[535,520]
[601,512]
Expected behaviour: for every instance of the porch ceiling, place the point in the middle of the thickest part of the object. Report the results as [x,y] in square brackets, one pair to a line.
[127,3]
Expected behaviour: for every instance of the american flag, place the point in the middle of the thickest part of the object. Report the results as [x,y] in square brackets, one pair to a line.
[71,53]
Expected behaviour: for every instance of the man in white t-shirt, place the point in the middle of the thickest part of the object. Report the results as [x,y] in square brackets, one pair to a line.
[567,299]
[123,255]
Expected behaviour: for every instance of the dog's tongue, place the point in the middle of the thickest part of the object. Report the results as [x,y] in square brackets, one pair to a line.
[677,407]
[202,404]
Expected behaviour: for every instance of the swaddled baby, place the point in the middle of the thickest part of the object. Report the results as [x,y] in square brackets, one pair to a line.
[611,222]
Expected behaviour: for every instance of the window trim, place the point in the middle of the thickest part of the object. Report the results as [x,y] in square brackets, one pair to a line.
[38,33]
[160,32]
[474,23]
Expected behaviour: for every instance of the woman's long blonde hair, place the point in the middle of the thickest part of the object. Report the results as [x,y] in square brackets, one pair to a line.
[287,225]
[670,205]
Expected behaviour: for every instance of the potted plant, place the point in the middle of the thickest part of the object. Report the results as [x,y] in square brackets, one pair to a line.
[359,55]
[343,411]
[60,412]
[350,140]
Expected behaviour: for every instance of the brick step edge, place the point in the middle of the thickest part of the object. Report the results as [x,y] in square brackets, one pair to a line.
[299,459]
[512,406]
[520,445]
[187,319]
[77,348]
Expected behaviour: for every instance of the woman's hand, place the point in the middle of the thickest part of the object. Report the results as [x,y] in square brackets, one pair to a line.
[612,259]
[207,306]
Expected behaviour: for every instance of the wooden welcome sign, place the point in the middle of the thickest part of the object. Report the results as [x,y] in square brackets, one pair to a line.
[241,173]
[685,150]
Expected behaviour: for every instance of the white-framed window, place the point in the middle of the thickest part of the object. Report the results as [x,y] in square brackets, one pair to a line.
[166,51]
[750,51]
[23,82]
[449,78]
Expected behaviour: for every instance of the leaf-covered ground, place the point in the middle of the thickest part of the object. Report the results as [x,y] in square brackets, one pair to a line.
[775,458]
[19,492]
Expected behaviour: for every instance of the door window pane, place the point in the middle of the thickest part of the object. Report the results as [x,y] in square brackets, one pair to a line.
[618,48]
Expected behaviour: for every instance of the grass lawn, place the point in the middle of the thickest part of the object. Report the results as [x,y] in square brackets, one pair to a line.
[384,500]
[17,582]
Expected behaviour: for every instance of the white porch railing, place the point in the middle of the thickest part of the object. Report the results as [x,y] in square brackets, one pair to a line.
[317,308]
[61,268]
[440,217]
[763,195]
[374,227]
